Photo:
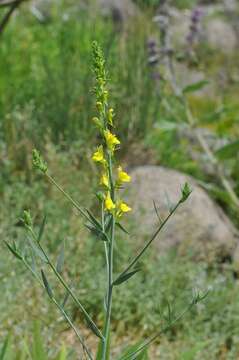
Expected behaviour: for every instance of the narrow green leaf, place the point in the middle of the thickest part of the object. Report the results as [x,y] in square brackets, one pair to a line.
[61,258]
[132,349]
[99,234]
[66,297]
[125,277]
[157,212]
[94,221]
[37,250]
[93,327]
[195,86]
[42,228]
[108,220]
[228,151]
[46,284]
[121,227]
[13,251]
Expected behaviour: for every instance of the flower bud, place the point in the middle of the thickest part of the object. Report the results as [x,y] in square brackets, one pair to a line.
[185,192]
[38,162]
[27,219]
[99,106]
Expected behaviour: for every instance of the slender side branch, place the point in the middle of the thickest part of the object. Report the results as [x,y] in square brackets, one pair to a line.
[136,259]
[74,203]
[154,337]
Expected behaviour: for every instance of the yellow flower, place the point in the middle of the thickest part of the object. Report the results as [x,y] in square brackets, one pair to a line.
[109,205]
[124,207]
[123,176]
[98,156]
[111,140]
[104,180]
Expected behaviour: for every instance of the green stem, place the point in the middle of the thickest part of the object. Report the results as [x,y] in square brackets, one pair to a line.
[109,292]
[109,263]
[85,348]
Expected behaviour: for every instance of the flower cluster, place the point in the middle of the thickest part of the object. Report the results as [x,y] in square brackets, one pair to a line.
[110,181]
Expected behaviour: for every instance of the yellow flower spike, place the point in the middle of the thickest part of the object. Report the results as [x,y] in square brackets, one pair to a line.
[123,176]
[98,156]
[104,180]
[111,140]
[109,205]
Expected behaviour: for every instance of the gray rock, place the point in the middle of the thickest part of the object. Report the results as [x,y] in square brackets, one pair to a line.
[119,10]
[220,35]
[199,226]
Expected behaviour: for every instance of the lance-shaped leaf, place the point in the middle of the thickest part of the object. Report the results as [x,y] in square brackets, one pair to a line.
[96,232]
[157,212]
[46,285]
[66,297]
[61,259]
[13,250]
[37,250]
[133,349]
[94,221]
[42,228]
[124,277]
[108,220]
[195,86]
[121,227]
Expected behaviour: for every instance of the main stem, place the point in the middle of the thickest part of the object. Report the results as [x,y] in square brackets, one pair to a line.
[106,333]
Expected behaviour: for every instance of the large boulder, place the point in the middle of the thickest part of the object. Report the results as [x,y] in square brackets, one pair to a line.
[198,227]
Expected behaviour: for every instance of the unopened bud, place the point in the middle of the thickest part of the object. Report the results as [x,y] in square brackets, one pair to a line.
[185,192]
[38,161]
[27,219]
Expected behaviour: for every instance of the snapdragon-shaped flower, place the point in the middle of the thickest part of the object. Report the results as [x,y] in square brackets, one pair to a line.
[109,204]
[104,180]
[122,208]
[123,176]
[111,140]
[98,155]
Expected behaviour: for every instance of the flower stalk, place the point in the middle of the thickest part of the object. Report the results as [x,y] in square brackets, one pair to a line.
[112,208]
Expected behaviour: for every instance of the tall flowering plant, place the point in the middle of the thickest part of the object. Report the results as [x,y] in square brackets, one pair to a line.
[112,178]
